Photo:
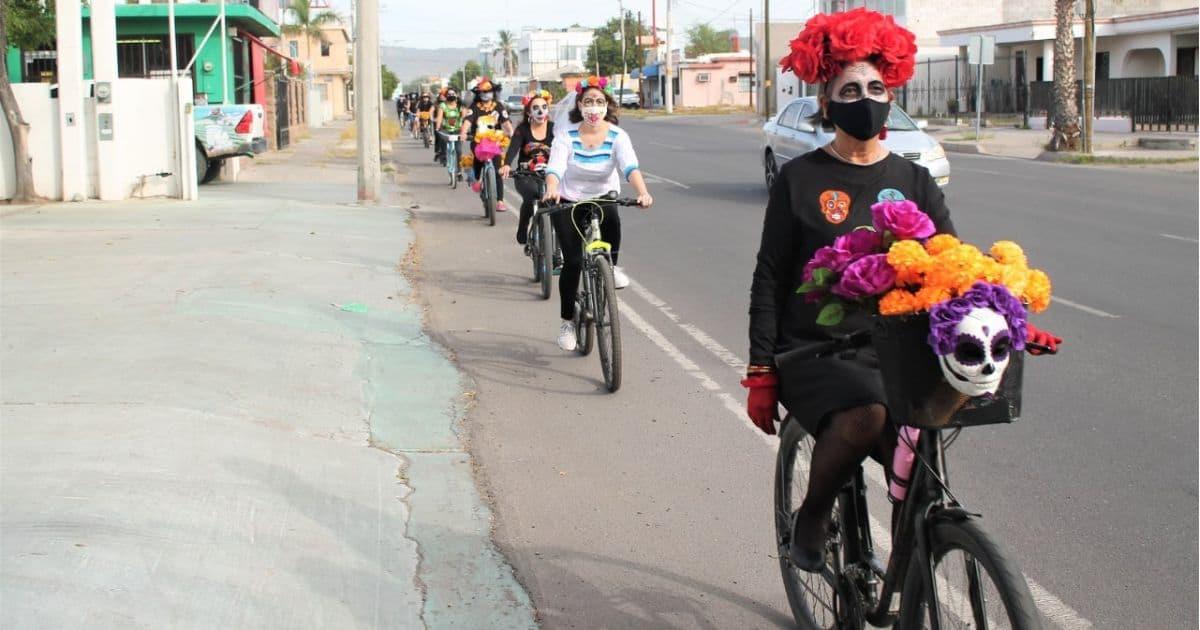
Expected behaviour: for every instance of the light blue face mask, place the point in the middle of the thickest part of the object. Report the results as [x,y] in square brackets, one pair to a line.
[486,96]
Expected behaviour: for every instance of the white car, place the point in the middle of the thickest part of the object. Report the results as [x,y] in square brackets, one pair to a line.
[627,98]
[790,134]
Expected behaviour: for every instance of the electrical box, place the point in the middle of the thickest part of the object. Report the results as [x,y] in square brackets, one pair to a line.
[104,126]
[103,92]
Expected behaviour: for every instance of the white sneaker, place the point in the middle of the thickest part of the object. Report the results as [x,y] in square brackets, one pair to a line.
[566,336]
[619,278]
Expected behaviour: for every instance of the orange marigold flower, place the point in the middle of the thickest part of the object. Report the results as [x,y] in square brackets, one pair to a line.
[1037,290]
[898,302]
[1009,253]
[940,243]
[1015,278]
[910,261]
[930,296]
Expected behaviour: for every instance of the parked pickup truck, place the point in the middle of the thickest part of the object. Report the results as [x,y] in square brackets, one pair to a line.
[224,131]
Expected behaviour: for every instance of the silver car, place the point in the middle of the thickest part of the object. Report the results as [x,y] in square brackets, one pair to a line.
[790,134]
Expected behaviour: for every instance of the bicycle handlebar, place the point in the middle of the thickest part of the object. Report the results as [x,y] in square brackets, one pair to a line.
[559,207]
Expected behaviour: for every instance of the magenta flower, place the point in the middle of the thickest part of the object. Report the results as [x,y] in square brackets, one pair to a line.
[868,276]
[860,242]
[903,219]
[827,257]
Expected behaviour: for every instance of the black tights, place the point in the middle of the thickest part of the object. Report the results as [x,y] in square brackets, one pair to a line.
[530,189]
[571,243]
[847,439]
[477,166]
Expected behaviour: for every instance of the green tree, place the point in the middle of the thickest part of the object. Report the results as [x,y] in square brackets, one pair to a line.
[471,69]
[390,81]
[704,39]
[506,50]
[606,45]
[27,25]
[299,20]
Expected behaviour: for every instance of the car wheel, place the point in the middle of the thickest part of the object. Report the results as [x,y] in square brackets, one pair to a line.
[771,171]
[201,165]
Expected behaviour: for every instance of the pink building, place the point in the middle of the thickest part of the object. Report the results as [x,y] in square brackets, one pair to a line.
[716,79]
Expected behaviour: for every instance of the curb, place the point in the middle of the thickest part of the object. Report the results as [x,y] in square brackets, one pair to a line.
[965,147]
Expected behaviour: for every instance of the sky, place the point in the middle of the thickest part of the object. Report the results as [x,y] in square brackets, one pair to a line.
[437,24]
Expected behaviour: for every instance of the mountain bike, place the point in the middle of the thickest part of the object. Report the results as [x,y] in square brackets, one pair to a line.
[944,570]
[426,130]
[596,314]
[451,157]
[487,190]
[541,245]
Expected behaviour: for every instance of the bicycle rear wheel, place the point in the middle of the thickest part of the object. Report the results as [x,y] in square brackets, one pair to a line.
[819,601]
[546,256]
[452,164]
[584,336]
[489,193]
[977,585]
[608,323]
[425,137]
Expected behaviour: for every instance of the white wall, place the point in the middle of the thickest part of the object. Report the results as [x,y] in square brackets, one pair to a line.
[142,133]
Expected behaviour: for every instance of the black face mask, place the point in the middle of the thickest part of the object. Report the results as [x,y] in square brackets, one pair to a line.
[862,119]
[451,98]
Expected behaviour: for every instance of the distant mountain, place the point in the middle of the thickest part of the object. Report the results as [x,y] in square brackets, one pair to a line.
[410,63]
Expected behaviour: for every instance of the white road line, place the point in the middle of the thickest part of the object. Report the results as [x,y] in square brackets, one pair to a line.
[1085,308]
[1051,606]
[669,146]
[665,180]
[1185,239]
[979,170]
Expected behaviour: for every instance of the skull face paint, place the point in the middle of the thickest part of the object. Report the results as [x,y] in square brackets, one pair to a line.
[835,205]
[858,80]
[975,335]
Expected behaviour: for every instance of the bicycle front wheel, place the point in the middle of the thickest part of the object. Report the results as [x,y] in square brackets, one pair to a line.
[547,254]
[608,323]
[489,194]
[816,600]
[976,584]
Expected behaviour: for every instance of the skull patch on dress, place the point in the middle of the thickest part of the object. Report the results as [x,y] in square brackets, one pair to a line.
[974,336]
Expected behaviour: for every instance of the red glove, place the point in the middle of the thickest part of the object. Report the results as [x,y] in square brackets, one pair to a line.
[762,403]
[1038,341]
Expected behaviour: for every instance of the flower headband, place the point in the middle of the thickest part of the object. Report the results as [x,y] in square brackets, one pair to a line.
[542,94]
[485,85]
[829,42]
[600,83]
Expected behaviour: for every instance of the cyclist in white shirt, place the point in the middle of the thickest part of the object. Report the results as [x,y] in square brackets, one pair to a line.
[588,159]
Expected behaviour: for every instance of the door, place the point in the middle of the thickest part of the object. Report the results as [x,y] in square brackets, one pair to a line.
[282,113]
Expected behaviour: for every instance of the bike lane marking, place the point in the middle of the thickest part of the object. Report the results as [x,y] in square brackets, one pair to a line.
[1053,608]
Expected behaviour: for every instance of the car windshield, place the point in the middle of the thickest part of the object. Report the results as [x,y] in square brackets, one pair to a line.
[899,121]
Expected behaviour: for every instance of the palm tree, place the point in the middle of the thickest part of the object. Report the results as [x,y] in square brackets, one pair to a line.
[1066,114]
[508,55]
[299,20]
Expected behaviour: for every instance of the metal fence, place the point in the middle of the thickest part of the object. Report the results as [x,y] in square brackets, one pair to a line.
[946,87]
[1151,103]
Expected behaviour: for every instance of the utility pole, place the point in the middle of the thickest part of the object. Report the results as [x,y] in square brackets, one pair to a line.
[670,99]
[624,64]
[750,47]
[768,69]
[1089,72]
[367,98]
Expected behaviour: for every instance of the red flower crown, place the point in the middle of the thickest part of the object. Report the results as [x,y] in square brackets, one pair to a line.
[829,42]
[600,83]
[542,94]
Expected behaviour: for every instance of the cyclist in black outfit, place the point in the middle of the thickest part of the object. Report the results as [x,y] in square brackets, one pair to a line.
[530,148]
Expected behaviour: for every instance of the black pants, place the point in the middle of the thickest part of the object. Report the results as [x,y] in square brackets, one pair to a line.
[569,231]
[530,188]
[477,166]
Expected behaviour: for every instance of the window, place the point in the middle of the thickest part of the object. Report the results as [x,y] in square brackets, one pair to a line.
[1101,66]
[702,77]
[790,116]
[325,49]
[1040,70]
[745,82]
[293,48]
[1185,62]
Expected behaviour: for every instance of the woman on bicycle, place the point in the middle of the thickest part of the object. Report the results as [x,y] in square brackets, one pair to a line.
[859,57]
[587,160]
[487,112]
[447,120]
[530,147]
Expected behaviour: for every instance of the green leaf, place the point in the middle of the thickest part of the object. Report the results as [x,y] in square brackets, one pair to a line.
[832,314]
[808,287]
[822,275]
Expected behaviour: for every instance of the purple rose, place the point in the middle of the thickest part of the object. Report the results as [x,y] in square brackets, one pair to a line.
[867,276]
[860,242]
[903,219]
[829,258]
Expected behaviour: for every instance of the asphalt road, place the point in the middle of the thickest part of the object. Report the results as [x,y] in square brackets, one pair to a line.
[653,506]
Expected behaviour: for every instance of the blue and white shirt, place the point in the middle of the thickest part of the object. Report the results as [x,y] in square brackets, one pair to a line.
[586,173]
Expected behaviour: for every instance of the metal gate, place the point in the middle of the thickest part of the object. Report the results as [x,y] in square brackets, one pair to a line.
[282,113]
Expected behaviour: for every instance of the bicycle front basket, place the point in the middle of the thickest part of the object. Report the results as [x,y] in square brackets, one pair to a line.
[917,391]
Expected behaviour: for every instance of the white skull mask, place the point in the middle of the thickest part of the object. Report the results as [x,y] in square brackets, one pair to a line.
[982,348]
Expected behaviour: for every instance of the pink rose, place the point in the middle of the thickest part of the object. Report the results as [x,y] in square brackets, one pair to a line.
[903,219]
[860,242]
[831,258]
[865,277]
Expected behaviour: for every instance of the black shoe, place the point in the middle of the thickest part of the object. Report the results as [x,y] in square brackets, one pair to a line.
[807,552]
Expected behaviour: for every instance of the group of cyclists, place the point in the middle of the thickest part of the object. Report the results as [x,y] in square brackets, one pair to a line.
[582,157]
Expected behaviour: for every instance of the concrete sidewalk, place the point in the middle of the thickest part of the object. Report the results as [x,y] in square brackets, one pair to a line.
[226,414]
[1030,143]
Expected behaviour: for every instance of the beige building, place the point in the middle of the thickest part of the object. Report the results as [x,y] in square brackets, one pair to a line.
[329,60]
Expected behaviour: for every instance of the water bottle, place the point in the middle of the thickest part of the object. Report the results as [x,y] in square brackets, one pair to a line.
[902,462]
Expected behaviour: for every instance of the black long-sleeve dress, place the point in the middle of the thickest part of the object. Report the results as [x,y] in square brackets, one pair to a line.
[815,199]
